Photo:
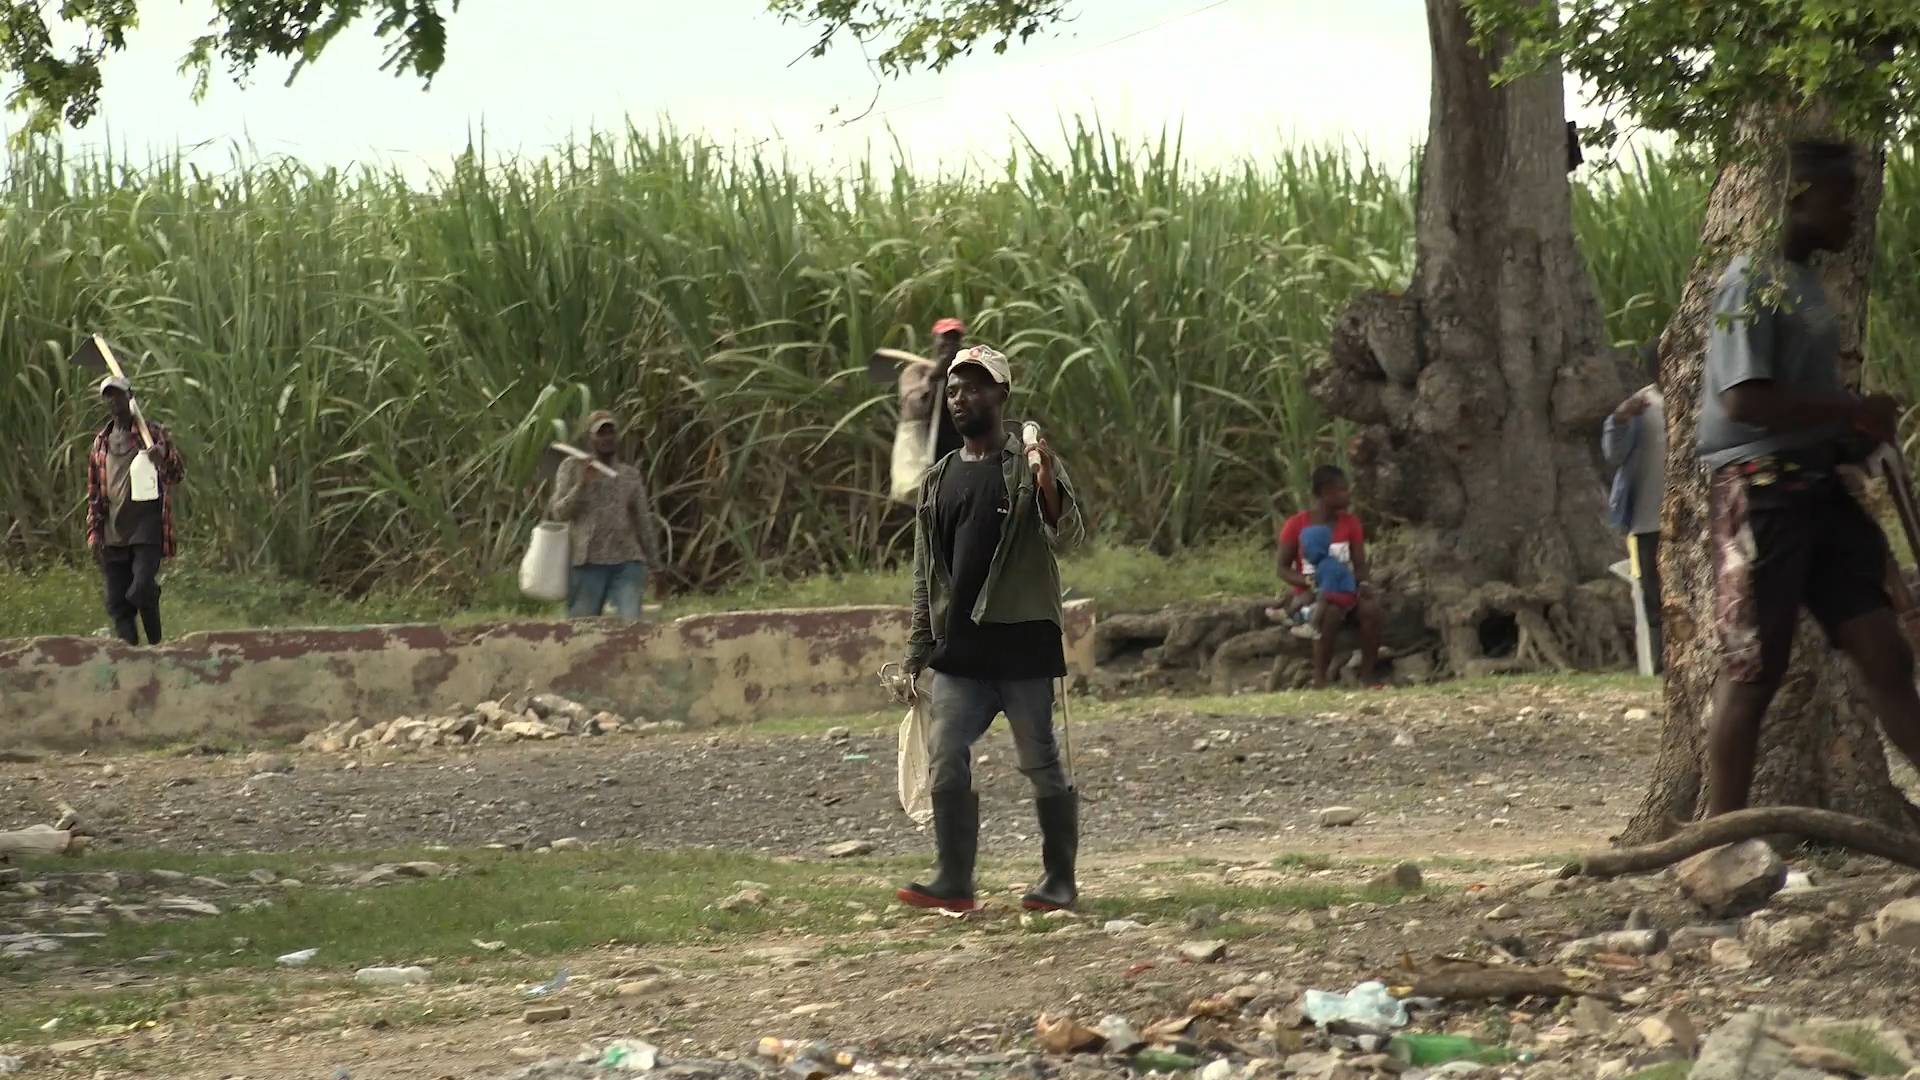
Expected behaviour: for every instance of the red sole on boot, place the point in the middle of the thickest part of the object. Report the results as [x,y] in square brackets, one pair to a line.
[916,898]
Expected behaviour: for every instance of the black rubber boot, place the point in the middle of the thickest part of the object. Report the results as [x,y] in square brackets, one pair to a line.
[150,620]
[127,630]
[1059,847]
[956,837]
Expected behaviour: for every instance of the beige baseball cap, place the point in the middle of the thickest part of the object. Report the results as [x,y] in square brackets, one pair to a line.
[984,357]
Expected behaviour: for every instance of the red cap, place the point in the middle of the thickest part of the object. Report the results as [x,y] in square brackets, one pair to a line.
[949,326]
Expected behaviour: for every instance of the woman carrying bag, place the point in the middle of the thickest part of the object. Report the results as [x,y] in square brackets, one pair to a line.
[613,537]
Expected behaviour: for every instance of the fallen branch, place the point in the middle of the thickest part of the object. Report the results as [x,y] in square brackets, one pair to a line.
[41,840]
[1857,834]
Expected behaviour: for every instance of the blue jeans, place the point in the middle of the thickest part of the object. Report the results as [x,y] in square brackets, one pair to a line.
[593,586]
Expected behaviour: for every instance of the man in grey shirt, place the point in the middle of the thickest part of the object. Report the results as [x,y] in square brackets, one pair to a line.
[1634,442]
[1776,421]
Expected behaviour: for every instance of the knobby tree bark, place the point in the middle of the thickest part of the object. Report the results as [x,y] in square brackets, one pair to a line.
[1478,393]
[1821,746]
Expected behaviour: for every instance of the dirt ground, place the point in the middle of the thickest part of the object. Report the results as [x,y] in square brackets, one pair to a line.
[1487,789]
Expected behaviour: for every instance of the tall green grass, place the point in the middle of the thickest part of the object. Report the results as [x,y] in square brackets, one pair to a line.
[362,373]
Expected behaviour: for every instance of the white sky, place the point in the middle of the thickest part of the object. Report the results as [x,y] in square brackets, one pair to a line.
[1244,76]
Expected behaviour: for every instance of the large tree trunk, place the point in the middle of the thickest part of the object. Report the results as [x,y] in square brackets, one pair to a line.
[1821,746]
[1479,393]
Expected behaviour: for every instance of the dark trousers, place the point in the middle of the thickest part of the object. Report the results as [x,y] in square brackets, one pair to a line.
[133,588]
[963,710]
[1647,550]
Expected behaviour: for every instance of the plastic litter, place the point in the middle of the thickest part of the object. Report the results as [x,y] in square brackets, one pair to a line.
[1446,1049]
[1368,1005]
[553,985]
[630,1055]
[296,959]
[392,976]
[1164,1061]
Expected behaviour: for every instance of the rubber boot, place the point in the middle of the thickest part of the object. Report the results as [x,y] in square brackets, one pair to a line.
[150,619]
[956,837]
[127,630]
[1059,846]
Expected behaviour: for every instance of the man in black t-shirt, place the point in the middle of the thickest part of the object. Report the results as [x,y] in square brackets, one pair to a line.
[991,519]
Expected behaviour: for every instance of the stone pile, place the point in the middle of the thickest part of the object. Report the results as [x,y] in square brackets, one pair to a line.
[541,717]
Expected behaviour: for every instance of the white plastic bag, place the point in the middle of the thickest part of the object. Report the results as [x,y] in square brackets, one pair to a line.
[912,457]
[548,563]
[915,762]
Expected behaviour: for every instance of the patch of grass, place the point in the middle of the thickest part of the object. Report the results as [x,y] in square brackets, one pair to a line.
[541,905]
[1666,1070]
[1864,1046]
[1177,903]
[1301,860]
[65,600]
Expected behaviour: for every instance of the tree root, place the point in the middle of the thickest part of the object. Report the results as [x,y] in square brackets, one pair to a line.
[1857,834]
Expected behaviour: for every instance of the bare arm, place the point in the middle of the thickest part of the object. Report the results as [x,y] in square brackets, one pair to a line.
[1290,572]
[1765,403]
[1360,568]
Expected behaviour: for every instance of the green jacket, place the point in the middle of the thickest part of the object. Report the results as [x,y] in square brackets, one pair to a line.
[1023,582]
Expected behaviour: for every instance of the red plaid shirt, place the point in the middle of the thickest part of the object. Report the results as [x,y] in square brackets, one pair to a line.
[171,473]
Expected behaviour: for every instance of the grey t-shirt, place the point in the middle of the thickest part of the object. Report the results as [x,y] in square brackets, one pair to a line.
[1787,334]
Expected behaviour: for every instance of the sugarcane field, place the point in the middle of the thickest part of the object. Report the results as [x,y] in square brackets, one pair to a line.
[960,540]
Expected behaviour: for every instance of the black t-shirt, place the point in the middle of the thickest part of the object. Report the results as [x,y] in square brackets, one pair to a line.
[968,512]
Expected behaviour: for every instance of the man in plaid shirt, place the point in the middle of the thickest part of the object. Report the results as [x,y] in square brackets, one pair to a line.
[130,536]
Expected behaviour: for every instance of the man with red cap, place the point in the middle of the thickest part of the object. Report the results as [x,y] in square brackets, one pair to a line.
[948,335]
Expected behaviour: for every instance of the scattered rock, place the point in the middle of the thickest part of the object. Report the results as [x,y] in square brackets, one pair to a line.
[1501,913]
[849,849]
[1734,880]
[546,1014]
[1121,926]
[1201,918]
[1613,1069]
[262,761]
[1740,1049]
[839,734]
[531,729]
[262,876]
[391,976]
[1671,1028]
[1898,924]
[1547,890]
[183,905]
[1730,954]
[1624,942]
[1334,817]
[1791,936]
[568,843]
[1405,876]
[384,874]
[640,988]
[744,900]
[1203,952]
[1636,716]
[1592,1017]
[1241,824]
[1692,937]
[1218,1070]
[419,869]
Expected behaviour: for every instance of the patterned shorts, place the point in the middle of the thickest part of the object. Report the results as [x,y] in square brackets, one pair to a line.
[1786,539]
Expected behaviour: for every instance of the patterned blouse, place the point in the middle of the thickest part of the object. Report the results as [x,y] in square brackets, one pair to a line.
[609,518]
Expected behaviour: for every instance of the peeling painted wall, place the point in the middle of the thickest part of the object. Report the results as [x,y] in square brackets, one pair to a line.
[277,685]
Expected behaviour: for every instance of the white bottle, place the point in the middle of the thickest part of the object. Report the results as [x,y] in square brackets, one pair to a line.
[143,480]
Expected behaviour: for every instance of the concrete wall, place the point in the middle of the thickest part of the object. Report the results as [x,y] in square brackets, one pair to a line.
[277,685]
